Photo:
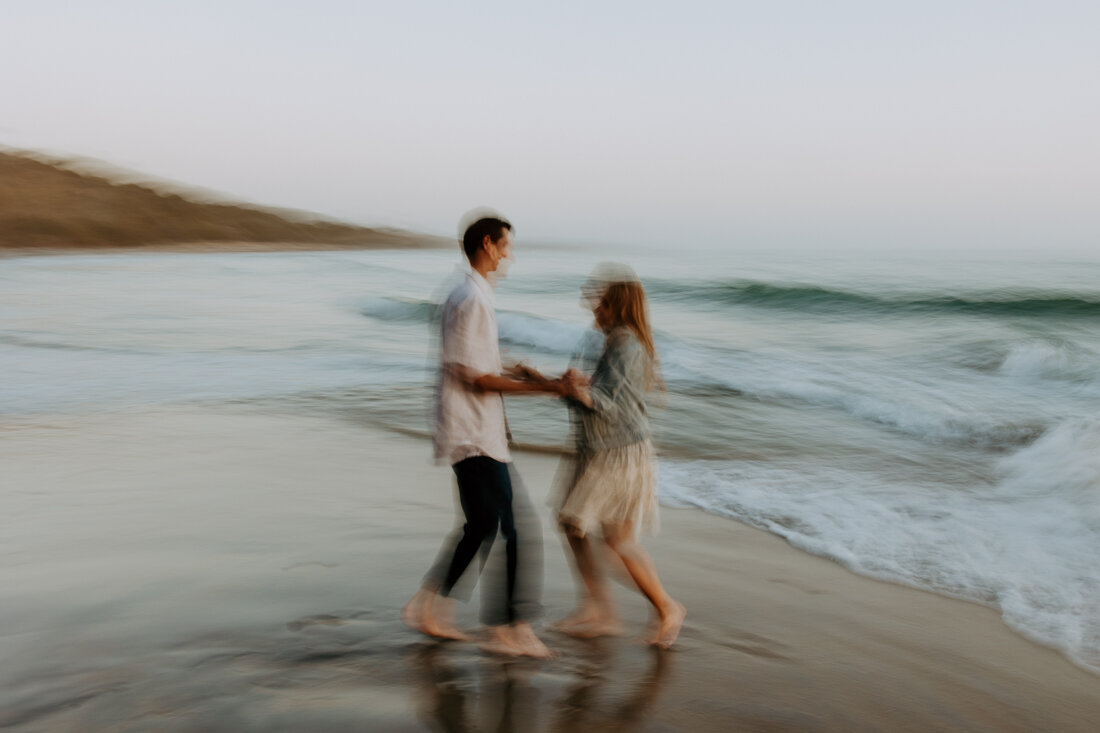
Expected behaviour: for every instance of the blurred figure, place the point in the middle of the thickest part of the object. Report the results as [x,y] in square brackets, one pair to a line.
[612,487]
[471,435]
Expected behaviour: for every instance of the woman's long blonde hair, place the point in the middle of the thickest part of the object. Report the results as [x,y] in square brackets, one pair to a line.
[626,305]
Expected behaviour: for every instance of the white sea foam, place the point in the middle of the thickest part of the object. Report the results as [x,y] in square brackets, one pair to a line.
[557,337]
[1043,359]
[1064,462]
[1027,546]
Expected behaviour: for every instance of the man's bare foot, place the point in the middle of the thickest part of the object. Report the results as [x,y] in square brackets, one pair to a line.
[672,619]
[531,645]
[502,641]
[413,611]
[429,614]
[445,630]
[516,641]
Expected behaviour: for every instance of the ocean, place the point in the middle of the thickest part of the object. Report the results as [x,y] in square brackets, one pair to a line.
[929,420]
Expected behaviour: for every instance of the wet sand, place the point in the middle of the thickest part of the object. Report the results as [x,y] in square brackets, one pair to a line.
[227,570]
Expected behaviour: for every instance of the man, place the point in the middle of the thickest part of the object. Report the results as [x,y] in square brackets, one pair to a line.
[471,435]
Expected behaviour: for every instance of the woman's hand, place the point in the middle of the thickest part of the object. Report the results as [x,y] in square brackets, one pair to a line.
[575,385]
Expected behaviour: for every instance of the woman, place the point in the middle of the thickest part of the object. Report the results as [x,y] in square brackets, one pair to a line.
[612,489]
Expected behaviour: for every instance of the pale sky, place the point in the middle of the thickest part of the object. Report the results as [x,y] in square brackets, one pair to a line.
[690,124]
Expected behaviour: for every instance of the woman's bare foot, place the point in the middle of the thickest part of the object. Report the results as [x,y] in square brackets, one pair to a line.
[580,617]
[588,624]
[589,621]
[594,629]
[430,614]
[668,628]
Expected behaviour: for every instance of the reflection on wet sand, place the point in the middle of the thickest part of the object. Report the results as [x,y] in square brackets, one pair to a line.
[604,689]
[347,670]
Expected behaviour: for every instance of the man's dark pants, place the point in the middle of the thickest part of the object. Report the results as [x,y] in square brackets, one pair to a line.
[489,504]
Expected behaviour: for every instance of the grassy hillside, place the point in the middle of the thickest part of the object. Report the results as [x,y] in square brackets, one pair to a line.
[46,203]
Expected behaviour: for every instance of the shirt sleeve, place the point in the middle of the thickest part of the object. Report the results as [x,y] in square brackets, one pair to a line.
[469,337]
[618,380]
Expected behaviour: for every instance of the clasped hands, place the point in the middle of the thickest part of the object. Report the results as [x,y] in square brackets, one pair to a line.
[572,383]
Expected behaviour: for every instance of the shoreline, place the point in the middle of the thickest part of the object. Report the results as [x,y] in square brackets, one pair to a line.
[401,242]
[266,556]
[428,243]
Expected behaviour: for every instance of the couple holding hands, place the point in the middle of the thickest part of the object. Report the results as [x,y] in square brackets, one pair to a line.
[609,485]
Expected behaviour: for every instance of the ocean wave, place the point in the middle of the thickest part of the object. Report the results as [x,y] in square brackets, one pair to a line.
[1031,556]
[933,400]
[518,329]
[1064,460]
[912,404]
[542,334]
[41,343]
[817,299]
[1051,360]
[399,310]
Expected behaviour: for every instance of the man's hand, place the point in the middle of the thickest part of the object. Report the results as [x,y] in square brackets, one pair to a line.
[523,371]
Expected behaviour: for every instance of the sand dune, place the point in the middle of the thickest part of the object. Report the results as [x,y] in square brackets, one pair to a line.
[51,204]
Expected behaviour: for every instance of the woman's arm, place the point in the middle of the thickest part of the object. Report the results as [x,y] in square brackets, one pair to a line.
[618,379]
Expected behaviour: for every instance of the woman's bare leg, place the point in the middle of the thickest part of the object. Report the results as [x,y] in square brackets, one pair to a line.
[595,614]
[670,613]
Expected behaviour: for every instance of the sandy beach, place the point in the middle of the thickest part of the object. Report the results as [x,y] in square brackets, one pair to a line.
[196,569]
